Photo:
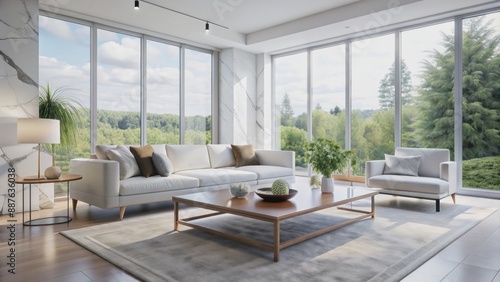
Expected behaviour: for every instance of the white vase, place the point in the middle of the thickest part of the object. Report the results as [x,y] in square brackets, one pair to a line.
[52,172]
[327,185]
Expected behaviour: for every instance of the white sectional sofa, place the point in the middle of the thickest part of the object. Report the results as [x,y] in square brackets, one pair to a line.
[434,177]
[196,168]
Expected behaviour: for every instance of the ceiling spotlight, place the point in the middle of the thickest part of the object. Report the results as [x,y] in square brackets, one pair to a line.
[136,5]
[207,27]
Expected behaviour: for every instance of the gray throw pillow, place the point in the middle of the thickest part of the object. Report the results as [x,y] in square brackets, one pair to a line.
[402,165]
[162,164]
[126,161]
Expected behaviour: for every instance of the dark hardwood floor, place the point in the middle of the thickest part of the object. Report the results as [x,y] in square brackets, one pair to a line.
[42,254]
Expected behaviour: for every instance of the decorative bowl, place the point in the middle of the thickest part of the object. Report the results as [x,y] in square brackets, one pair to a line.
[267,195]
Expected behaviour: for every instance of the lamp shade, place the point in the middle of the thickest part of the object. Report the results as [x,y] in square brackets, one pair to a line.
[38,130]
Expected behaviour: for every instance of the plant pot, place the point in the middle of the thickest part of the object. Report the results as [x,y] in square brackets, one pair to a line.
[52,172]
[327,185]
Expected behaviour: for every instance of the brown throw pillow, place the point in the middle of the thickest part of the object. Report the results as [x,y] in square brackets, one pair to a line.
[143,157]
[244,155]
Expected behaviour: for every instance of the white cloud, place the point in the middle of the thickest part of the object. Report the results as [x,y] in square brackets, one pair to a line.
[105,35]
[159,52]
[62,74]
[56,27]
[118,98]
[123,54]
[166,75]
[65,30]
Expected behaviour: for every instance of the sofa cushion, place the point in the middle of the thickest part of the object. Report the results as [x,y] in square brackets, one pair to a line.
[101,151]
[409,183]
[221,155]
[184,157]
[209,177]
[128,165]
[159,148]
[431,159]
[162,164]
[144,158]
[143,185]
[402,165]
[267,171]
[244,155]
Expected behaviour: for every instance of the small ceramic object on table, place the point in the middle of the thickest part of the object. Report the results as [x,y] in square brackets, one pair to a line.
[239,190]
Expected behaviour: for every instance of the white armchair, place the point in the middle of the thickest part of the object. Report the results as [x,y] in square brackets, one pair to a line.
[435,180]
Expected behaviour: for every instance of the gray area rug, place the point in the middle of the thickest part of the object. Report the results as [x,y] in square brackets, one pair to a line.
[386,248]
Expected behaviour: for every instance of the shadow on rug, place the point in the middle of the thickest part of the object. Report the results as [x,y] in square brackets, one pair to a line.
[386,248]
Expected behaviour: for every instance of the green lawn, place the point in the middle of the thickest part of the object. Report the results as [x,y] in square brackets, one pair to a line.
[482,173]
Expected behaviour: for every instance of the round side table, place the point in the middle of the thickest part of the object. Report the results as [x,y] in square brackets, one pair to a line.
[48,220]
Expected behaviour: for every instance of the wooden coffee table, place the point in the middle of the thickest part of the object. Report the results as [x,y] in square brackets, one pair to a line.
[306,201]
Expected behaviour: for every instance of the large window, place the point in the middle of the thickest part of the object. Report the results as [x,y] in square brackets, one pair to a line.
[427,86]
[481,102]
[401,92]
[64,59]
[328,91]
[198,89]
[291,106]
[163,88]
[118,88]
[140,95]
[373,99]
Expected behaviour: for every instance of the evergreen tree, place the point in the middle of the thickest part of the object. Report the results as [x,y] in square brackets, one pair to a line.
[335,111]
[286,111]
[481,93]
[387,88]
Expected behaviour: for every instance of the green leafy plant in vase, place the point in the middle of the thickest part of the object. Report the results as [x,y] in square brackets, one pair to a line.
[61,105]
[326,157]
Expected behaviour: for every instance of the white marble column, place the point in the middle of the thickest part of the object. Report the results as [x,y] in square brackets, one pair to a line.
[237,97]
[264,120]
[19,97]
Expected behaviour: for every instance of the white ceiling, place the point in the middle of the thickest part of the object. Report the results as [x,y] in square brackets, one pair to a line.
[261,25]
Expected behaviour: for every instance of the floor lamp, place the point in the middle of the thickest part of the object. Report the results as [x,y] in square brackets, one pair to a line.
[38,131]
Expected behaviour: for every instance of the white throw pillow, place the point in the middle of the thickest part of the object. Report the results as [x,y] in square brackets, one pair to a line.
[184,157]
[162,164]
[402,165]
[126,161]
[221,155]
[101,151]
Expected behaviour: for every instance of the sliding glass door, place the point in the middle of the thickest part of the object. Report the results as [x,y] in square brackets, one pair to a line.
[481,102]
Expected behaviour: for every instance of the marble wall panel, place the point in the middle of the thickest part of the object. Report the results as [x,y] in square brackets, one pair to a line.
[264,118]
[226,96]
[237,97]
[19,97]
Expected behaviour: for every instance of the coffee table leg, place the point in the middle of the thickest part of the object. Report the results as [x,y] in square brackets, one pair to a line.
[277,241]
[373,206]
[176,215]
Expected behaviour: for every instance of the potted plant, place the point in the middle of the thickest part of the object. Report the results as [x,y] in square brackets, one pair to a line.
[59,104]
[326,157]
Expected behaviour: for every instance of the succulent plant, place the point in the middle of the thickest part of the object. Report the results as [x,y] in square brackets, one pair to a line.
[280,187]
[315,181]
[239,190]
